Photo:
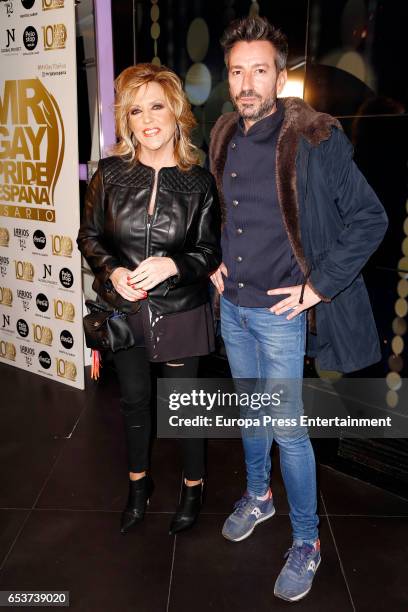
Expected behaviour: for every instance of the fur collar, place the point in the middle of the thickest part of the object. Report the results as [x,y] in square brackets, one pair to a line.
[300,121]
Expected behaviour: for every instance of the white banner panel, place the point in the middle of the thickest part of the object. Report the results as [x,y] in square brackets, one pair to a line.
[40,267]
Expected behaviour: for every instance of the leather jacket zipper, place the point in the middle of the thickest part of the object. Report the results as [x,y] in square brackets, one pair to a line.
[151,218]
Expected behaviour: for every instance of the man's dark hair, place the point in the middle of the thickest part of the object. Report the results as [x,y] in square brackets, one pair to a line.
[250,29]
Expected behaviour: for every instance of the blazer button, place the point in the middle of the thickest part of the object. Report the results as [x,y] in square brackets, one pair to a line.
[235,202]
[241,285]
[239,259]
[239,230]
[234,174]
[233,145]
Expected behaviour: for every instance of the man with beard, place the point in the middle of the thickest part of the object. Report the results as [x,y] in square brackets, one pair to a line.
[300,222]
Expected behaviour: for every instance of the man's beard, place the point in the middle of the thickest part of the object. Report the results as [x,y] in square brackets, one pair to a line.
[251,111]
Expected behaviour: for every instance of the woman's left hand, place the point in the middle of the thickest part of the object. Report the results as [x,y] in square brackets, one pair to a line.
[151,272]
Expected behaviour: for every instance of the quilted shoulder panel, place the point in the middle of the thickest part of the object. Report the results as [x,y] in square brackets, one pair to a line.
[195,180]
[117,171]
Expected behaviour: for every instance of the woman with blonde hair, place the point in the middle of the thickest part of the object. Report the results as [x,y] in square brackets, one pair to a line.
[150,232]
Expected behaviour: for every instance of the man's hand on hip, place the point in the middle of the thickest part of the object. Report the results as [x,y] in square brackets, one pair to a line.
[217,279]
[292,302]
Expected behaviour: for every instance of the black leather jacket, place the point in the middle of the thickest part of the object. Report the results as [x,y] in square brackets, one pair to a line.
[185,226]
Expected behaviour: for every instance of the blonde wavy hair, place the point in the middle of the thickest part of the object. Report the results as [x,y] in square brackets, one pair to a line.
[126,85]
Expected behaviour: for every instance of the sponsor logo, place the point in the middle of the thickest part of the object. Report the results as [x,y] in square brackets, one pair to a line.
[9,6]
[11,37]
[64,311]
[42,334]
[42,302]
[66,369]
[66,339]
[31,123]
[311,566]
[7,350]
[24,270]
[11,48]
[55,36]
[21,235]
[4,262]
[6,321]
[4,237]
[61,245]
[39,239]
[48,5]
[47,271]
[66,278]
[30,38]
[28,352]
[22,328]
[45,360]
[25,297]
[6,296]
[28,4]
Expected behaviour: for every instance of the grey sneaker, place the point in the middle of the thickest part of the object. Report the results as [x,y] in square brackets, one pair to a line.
[296,577]
[248,512]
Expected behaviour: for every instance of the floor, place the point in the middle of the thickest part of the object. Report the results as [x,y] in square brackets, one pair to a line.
[63,485]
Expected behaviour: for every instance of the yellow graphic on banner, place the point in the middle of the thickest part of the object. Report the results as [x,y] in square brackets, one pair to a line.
[4,237]
[64,311]
[24,270]
[32,143]
[55,36]
[42,334]
[48,5]
[62,245]
[6,296]
[26,212]
[66,369]
[7,350]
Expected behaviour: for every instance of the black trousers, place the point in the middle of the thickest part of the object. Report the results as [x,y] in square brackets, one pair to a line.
[133,370]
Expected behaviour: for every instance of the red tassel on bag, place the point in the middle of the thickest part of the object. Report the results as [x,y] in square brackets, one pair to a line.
[96,365]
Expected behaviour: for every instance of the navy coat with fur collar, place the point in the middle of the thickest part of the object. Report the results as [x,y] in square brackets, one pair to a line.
[334,222]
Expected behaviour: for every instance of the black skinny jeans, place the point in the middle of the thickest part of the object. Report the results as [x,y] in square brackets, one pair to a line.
[133,369]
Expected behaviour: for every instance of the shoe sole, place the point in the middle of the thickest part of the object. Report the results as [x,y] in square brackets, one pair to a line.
[302,594]
[248,533]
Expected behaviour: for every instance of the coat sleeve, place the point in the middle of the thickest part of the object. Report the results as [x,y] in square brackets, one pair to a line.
[362,214]
[90,240]
[203,253]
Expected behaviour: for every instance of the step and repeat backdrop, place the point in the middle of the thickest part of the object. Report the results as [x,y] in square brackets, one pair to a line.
[40,267]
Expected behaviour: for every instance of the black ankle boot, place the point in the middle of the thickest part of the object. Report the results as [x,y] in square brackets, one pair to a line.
[188,508]
[139,494]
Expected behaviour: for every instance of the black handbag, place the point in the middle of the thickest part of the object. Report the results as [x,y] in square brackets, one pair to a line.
[106,328]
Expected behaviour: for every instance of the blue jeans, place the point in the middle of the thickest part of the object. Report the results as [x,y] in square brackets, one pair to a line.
[264,346]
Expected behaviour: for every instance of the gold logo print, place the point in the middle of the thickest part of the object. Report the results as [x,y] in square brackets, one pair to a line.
[66,369]
[32,128]
[48,5]
[55,36]
[24,270]
[4,237]
[64,311]
[6,296]
[42,334]
[7,350]
[62,245]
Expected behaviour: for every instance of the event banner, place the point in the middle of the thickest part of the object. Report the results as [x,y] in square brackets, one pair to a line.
[40,267]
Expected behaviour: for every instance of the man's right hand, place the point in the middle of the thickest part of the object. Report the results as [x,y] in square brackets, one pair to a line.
[119,278]
[217,279]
